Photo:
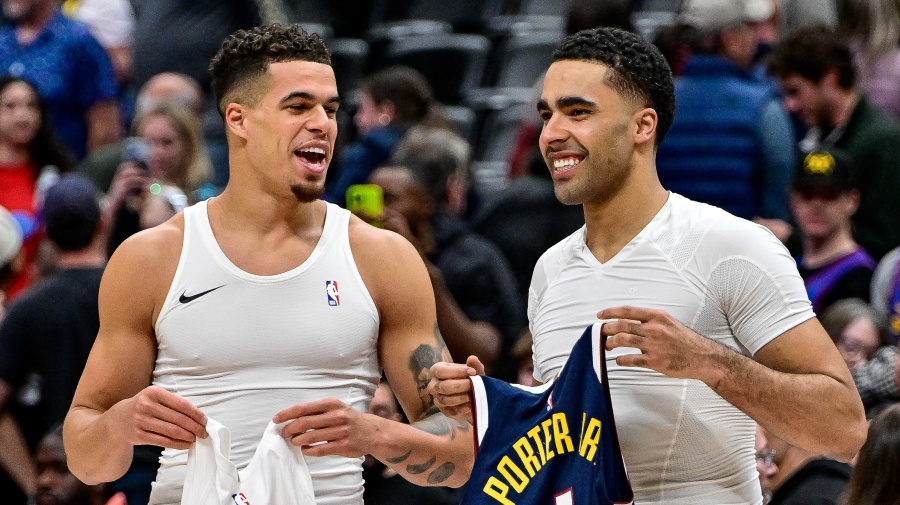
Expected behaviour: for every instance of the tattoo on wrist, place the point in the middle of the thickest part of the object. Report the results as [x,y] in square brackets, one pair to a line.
[399,459]
[420,468]
[441,473]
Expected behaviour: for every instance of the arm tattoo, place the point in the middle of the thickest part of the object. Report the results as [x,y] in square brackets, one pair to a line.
[417,469]
[399,459]
[440,425]
[420,363]
[441,473]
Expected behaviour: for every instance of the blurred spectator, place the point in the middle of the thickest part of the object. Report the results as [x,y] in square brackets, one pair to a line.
[29,151]
[522,352]
[383,485]
[731,143]
[873,27]
[50,329]
[856,329]
[819,81]
[823,199]
[765,464]
[878,380]
[477,309]
[389,102]
[166,89]
[886,291]
[69,68]
[798,14]
[874,480]
[172,166]
[111,22]
[11,260]
[802,477]
[55,483]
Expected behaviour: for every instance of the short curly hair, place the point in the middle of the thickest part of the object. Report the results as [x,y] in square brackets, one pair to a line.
[245,55]
[639,70]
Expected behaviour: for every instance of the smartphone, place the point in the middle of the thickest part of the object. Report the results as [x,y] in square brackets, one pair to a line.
[137,151]
[366,201]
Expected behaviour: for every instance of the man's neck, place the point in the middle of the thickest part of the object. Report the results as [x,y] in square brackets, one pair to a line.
[842,108]
[86,258]
[820,251]
[29,27]
[252,209]
[612,224]
[11,155]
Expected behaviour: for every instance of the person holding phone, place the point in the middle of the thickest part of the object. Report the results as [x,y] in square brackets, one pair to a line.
[267,304]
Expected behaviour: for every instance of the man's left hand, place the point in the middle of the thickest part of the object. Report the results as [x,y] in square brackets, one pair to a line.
[666,345]
[334,426]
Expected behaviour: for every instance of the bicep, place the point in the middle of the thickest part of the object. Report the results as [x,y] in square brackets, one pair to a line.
[409,341]
[805,349]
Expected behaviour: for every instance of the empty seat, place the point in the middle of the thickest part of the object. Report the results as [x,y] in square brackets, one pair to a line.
[464,15]
[502,112]
[526,57]
[462,119]
[544,7]
[382,34]
[452,63]
[348,58]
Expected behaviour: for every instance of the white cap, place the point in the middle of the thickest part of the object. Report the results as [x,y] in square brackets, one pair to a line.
[713,16]
[10,237]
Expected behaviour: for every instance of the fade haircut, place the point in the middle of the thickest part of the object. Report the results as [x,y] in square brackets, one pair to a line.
[245,56]
[811,53]
[637,70]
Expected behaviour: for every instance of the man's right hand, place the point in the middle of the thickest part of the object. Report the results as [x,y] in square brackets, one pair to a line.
[157,417]
[450,387]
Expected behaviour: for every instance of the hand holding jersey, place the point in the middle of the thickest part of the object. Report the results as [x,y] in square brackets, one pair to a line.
[450,387]
[157,417]
[333,426]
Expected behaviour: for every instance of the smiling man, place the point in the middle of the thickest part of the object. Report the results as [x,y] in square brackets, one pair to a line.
[266,304]
[714,329]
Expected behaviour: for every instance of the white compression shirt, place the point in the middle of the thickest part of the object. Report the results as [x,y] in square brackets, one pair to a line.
[242,347]
[726,278]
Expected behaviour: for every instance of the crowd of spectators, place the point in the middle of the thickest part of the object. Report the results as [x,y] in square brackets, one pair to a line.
[788,114]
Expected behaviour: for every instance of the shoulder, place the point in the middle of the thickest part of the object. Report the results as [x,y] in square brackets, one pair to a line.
[723,235]
[551,263]
[148,258]
[379,253]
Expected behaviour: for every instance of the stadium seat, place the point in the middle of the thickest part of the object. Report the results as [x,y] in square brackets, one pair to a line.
[502,112]
[544,7]
[462,119]
[348,58]
[465,15]
[452,63]
[382,34]
[526,57]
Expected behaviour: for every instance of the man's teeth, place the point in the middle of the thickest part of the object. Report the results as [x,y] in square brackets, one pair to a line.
[565,163]
[315,150]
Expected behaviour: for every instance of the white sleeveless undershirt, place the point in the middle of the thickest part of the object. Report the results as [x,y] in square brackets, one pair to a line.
[242,347]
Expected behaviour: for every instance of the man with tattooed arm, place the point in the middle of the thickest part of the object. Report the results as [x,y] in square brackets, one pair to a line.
[267,304]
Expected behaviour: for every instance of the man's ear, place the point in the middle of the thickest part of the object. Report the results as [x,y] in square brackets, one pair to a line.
[644,123]
[235,119]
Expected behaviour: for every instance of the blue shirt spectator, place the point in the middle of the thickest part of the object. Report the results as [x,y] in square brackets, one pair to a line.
[70,70]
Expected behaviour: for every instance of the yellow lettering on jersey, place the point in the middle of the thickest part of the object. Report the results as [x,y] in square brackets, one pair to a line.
[534,433]
[546,427]
[497,490]
[561,434]
[526,454]
[506,464]
[589,443]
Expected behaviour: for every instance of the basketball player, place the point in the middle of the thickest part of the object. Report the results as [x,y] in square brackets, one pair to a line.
[714,327]
[266,303]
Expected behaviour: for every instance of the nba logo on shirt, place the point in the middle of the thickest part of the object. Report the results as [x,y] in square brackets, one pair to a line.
[331,289]
[240,499]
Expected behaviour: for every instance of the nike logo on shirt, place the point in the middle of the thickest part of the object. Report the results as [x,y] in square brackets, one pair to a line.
[184,298]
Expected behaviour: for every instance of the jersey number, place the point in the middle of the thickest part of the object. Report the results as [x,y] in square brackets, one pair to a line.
[564,498]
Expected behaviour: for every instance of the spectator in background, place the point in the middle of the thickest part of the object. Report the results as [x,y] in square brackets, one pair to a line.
[886,291]
[856,329]
[477,309]
[166,89]
[111,23]
[731,144]
[873,29]
[71,71]
[816,72]
[55,483]
[803,477]
[874,480]
[823,199]
[389,102]
[171,162]
[28,149]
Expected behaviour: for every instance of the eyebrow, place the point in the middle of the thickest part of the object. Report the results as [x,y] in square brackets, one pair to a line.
[308,96]
[566,101]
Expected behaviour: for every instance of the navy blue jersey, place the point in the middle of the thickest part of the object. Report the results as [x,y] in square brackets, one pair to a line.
[554,444]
